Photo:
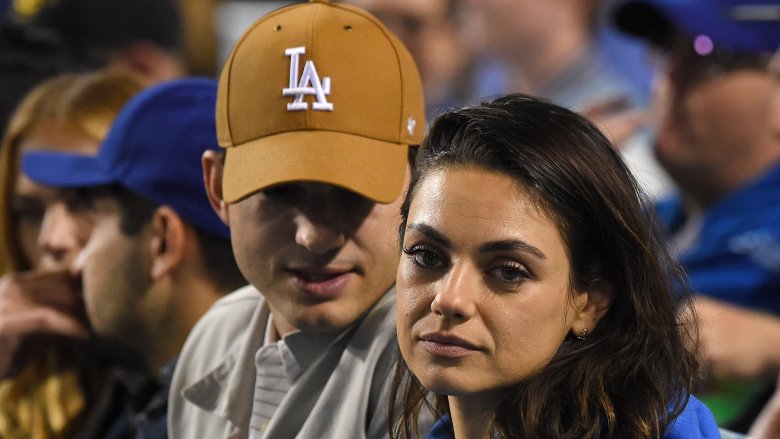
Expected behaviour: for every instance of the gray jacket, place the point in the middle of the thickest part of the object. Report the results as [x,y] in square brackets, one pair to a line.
[343,394]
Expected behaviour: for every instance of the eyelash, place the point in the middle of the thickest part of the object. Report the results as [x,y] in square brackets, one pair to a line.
[420,251]
[518,272]
[516,269]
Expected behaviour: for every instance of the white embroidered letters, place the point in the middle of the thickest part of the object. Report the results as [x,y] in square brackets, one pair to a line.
[410,123]
[308,84]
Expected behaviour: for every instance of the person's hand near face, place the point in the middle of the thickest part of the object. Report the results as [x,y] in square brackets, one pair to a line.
[36,303]
[44,300]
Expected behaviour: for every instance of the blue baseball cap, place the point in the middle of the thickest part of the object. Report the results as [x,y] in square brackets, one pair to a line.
[750,26]
[153,149]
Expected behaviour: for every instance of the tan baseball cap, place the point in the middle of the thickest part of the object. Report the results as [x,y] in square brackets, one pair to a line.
[323,93]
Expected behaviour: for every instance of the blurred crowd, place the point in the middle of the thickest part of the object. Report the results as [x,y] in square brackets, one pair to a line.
[692,105]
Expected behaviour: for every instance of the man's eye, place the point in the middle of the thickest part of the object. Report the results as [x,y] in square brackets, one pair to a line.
[283,192]
[77,201]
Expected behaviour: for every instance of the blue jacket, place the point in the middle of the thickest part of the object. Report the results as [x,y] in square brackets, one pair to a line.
[695,422]
[737,255]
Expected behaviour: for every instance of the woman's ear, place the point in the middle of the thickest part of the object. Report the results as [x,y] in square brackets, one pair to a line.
[590,307]
[212,178]
[169,242]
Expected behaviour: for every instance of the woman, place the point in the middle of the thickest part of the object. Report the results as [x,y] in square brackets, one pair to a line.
[52,394]
[534,296]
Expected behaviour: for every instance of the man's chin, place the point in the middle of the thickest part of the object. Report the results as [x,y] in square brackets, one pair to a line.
[323,322]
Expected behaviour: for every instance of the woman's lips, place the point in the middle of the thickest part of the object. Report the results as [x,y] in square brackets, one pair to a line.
[447,345]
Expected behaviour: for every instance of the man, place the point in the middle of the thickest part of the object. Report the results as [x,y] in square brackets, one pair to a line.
[317,107]
[156,257]
[550,49]
[719,138]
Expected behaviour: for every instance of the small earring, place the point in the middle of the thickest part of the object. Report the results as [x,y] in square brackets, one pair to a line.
[583,334]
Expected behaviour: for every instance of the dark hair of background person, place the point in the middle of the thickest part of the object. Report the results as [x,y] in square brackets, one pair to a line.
[28,56]
[141,37]
[101,25]
[136,212]
[634,373]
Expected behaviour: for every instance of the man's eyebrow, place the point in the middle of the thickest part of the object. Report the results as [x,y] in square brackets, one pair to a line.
[431,233]
[509,245]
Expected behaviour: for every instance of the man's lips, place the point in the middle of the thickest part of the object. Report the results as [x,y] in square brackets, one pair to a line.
[326,282]
[445,345]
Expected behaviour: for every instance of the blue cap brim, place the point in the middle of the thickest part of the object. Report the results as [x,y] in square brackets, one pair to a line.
[64,170]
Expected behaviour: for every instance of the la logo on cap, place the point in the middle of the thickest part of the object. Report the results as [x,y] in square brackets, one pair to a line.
[308,84]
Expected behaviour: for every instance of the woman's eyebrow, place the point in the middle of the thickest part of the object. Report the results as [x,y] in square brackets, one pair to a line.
[431,233]
[509,245]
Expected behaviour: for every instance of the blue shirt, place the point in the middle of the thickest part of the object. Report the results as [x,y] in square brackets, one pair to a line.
[695,422]
[736,256]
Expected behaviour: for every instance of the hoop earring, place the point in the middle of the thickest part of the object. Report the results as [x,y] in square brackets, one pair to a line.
[583,334]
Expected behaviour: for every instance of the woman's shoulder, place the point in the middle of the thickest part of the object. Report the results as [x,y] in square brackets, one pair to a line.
[442,429]
[695,422]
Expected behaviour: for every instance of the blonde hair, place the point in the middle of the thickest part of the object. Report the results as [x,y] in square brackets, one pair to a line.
[51,395]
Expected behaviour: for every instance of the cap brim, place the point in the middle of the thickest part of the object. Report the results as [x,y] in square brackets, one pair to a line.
[64,170]
[369,167]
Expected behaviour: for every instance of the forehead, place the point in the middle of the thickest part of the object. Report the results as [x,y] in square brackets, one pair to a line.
[27,188]
[477,205]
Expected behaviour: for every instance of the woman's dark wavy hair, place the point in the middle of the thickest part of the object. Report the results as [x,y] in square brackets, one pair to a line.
[633,374]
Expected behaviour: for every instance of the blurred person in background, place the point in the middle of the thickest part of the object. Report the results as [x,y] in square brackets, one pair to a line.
[551,49]
[719,138]
[430,29]
[156,256]
[546,48]
[199,36]
[28,56]
[55,384]
[140,37]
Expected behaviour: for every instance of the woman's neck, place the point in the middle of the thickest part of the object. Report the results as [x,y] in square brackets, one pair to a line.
[472,415]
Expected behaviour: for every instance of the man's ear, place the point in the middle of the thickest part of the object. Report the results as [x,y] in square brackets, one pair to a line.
[590,307]
[169,242]
[212,178]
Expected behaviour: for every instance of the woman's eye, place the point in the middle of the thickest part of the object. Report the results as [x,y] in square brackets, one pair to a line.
[27,210]
[425,257]
[28,214]
[510,273]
